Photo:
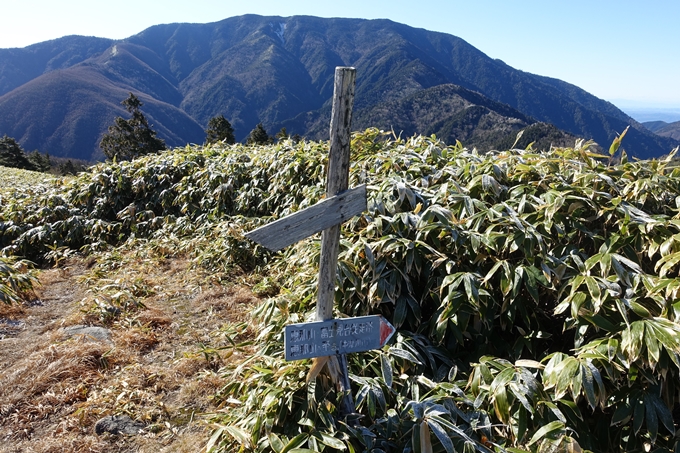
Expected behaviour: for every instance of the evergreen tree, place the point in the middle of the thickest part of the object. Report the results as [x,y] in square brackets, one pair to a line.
[40,161]
[131,138]
[11,154]
[67,168]
[282,134]
[219,130]
[259,136]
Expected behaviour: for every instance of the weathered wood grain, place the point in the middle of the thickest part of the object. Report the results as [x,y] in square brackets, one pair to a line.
[325,214]
[337,180]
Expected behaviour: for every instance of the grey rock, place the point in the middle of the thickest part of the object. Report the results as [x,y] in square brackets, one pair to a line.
[89,332]
[10,328]
[118,424]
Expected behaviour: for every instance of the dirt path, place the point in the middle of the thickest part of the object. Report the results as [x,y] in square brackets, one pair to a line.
[23,330]
[161,367]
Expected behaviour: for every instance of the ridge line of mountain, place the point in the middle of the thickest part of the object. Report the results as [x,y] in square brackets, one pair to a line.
[60,96]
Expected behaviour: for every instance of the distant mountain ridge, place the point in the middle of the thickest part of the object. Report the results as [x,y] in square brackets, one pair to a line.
[664,129]
[60,96]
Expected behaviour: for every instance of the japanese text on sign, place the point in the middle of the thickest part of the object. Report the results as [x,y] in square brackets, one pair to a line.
[335,336]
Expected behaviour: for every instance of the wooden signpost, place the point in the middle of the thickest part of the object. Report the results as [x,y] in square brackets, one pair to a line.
[329,336]
[325,214]
[336,336]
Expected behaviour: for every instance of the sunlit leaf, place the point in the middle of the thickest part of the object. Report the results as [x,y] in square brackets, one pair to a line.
[546,430]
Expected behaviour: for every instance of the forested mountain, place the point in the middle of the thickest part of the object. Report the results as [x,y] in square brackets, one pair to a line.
[664,129]
[60,96]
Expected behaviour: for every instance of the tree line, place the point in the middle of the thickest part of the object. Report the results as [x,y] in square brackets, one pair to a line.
[127,139]
[13,155]
[134,137]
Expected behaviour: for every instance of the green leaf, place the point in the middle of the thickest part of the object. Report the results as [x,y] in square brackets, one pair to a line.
[664,414]
[386,369]
[371,402]
[295,442]
[214,438]
[514,388]
[237,433]
[572,412]
[517,281]
[601,322]
[639,309]
[651,418]
[567,377]
[275,442]
[588,386]
[638,414]
[600,383]
[441,435]
[622,414]
[555,410]
[531,282]
[471,288]
[425,441]
[500,404]
[517,137]
[527,363]
[577,301]
[400,312]
[489,275]
[652,346]
[617,142]
[330,441]
[667,263]
[522,424]
[594,289]
[402,353]
[631,340]
[545,430]
[506,278]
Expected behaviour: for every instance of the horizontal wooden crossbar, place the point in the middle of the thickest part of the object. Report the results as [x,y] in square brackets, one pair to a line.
[325,214]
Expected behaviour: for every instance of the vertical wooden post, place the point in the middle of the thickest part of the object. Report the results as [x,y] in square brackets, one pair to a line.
[337,180]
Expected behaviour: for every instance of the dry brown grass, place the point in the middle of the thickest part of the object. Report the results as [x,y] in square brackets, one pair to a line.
[49,382]
[11,312]
[157,370]
[87,443]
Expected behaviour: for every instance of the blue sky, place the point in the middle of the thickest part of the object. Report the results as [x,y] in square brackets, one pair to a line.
[627,52]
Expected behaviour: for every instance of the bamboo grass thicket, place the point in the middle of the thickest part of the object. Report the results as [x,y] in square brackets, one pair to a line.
[535,292]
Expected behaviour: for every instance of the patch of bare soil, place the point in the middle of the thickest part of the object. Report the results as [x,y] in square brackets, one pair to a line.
[161,366]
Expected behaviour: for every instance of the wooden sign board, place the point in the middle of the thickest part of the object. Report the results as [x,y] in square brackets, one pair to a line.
[336,336]
[325,214]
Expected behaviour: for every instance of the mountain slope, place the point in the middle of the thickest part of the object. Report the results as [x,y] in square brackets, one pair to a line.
[279,71]
[68,110]
[664,129]
[19,66]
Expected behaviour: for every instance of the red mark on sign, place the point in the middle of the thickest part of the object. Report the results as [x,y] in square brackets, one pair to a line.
[386,331]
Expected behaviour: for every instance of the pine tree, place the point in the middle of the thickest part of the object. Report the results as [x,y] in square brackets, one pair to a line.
[40,161]
[219,130]
[259,136]
[11,154]
[67,168]
[282,134]
[131,138]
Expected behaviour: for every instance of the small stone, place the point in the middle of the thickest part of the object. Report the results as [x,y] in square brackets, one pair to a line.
[89,332]
[118,424]
[10,328]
